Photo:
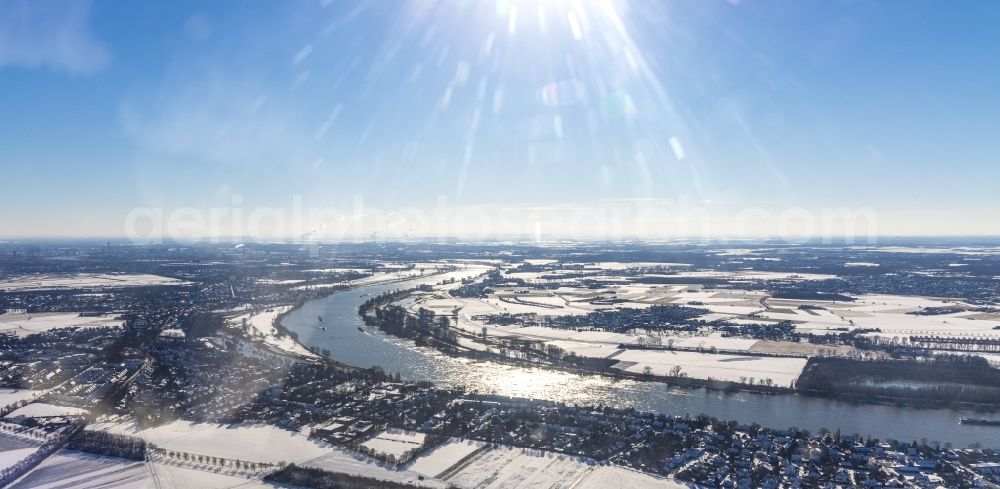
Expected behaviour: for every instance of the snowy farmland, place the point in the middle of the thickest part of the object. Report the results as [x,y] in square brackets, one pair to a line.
[508,467]
[25,283]
[11,396]
[613,477]
[564,301]
[42,410]
[10,457]
[438,459]
[395,442]
[69,468]
[258,443]
[263,443]
[173,476]
[29,324]
[503,467]
[781,370]
[347,462]
[892,314]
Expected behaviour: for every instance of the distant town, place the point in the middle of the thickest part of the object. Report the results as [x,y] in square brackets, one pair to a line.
[558,365]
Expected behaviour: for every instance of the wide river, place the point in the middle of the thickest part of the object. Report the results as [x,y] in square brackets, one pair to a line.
[369,348]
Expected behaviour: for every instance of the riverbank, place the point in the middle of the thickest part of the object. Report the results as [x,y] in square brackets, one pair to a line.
[376,312]
[682,382]
[371,347]
[320,355]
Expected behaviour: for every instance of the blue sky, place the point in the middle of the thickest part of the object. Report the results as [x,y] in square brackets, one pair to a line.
[112,105]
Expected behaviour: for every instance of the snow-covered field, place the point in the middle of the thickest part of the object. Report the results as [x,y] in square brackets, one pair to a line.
[346,462]
[184,477]
[507,467]
[10,457]
[782,371]
[10,396]
[257,443]
[19,437]
[84,281]
[395,442]
[42,409]
[73,469]
[613,477]
[260,325]
[526,308]
[28,324]
[496,467]
[565,301]
[714,341]
[440,458]
[68,468]
[889,313]
[503,467]
[959,250]
[539,332]
[388,276]
[262,443]
[752,275]
[594,350]
[268,281]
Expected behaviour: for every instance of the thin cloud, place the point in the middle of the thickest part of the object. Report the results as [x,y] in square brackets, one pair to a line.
[52,35]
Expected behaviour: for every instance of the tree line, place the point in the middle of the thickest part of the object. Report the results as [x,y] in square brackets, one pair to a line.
[322,479]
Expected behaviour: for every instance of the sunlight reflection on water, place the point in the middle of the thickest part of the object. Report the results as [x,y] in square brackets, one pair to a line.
[370,347]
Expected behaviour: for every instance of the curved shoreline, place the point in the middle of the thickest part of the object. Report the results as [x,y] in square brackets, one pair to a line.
[724,386]
[712,385]
[327,292]
[513,378]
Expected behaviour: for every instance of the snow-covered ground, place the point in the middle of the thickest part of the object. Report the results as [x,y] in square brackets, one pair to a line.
[79,470]
[612,477]
[576,301]
[346,462]
[752,275]
[263,443]
[959,250]
[68,468]
[395,442]
[29,324]
[184,477]
[713,341]
[10,396]
[260,324]
[84,281]
[10,457]
[268,281]
[507,467]
[380,277]
[782,371]
[492,467]
[440,458]
[42,409]
[594,350]
[257,443]
[603,337]
[889,313]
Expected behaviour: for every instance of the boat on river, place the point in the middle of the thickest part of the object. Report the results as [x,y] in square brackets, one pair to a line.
[980,421]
